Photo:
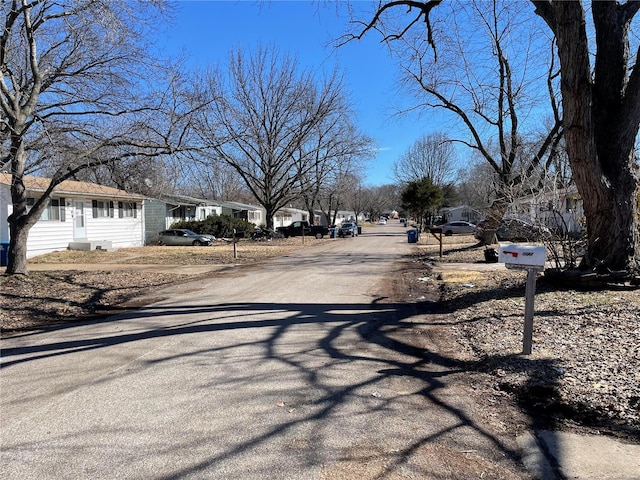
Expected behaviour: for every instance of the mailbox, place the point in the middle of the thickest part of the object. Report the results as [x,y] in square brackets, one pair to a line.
[523,255]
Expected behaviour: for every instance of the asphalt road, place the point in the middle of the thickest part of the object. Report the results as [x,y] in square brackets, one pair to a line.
[279,371]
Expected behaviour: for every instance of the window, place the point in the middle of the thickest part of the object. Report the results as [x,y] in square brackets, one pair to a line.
[127,210]
[102,208]
[256,216]
[55,209]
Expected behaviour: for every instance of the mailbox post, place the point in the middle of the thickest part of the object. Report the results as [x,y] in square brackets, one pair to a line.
[532,259]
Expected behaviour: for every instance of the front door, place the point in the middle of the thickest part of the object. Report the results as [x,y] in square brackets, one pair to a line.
[79,228]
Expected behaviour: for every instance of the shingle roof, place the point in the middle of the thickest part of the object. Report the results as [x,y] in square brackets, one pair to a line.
[70,187]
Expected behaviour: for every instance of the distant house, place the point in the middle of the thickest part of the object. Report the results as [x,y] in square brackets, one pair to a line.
[250,213]
[462,213]
[560,210]
[164,211]
[286,216]
[79,215]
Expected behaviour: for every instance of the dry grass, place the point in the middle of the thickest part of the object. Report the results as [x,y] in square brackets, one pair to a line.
[220,253]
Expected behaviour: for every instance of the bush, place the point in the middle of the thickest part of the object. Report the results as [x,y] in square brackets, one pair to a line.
[220,226]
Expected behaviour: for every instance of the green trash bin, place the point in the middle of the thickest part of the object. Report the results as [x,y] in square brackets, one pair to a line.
[4,254]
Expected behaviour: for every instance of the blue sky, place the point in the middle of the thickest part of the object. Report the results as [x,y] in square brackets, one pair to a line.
[206,30]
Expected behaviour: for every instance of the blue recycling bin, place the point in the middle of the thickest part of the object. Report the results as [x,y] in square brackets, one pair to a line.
[412,235]
[4,254]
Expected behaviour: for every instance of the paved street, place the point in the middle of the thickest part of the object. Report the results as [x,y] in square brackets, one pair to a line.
[279,371]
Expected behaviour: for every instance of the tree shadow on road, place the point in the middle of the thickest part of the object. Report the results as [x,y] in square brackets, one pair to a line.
[313,341]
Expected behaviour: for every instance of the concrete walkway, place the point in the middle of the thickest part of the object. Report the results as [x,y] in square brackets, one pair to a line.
[565,455]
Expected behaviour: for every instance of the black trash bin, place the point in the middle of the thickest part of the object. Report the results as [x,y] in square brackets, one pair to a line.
[412,235]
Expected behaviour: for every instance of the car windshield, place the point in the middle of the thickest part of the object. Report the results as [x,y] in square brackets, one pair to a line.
[347,225]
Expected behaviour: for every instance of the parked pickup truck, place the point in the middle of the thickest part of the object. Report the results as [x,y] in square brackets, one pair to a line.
[297,229]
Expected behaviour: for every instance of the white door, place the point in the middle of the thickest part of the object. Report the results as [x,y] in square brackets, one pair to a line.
[79,228]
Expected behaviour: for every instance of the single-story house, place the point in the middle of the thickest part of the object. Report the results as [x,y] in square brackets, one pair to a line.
[79,215]
[341,216]
[560,210]
[286,216]
[162,212]
[250,213]
[463,213]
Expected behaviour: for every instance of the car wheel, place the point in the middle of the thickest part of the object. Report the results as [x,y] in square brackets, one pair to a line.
[197,243]
[319,235]
[448,233]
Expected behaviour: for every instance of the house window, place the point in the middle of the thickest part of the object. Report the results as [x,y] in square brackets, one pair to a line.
[127,210]
[54,210]
[102,208]
[254,216]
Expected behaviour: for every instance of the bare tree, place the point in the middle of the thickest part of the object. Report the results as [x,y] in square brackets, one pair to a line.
[274,124]
[601,109]
[431,156]
[487,77]
[380,199]
[205,177]
[340,151]
[477,184]
[77,92]
[602,114]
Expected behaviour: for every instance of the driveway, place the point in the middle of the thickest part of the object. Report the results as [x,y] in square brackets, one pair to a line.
[295,369]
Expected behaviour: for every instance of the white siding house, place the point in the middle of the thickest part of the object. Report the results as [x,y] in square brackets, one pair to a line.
[462,213]
[80,215]
[560,210]
[162,212]
[286,216]
[251,213]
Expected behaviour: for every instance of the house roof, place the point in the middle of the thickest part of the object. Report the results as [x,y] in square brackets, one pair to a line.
[460,207]
[239,206]
[70,187]
[186,200]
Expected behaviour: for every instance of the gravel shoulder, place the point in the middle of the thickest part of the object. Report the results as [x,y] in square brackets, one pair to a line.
[583,374]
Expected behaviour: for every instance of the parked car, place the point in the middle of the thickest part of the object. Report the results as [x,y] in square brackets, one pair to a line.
[348,229]
[517,230]
[382,221]
[512,230]
[299,228]
[184,237]
[458,227]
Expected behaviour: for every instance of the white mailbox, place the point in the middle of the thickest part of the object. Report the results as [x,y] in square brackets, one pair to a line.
[522,255]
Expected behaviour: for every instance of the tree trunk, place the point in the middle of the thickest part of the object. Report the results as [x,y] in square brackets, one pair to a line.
[269,212]
[20,221]
[492,222]
[601,162]
[17,259]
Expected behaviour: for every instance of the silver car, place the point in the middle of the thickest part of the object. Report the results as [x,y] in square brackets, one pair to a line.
[457,227]
[184,237]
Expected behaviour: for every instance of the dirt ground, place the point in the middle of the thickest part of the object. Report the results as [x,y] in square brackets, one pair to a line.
[583,373]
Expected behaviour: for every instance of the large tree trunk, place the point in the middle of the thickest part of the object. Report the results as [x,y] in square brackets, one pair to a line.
[17,259]
[492,221]
[596,132]
[20,221]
